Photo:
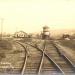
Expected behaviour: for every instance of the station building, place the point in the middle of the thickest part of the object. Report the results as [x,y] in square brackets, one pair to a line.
[20,34]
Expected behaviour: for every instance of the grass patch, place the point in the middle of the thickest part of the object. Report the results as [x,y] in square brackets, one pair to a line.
[6,45]
[26,40]
[17,51]
[2,55]
[68,43]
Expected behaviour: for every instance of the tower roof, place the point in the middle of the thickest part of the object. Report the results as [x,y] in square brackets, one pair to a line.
[45,26]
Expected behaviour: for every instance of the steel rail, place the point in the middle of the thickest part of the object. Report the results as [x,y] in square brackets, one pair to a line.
[40,67]
[25,60]
[55,64]
[65,57]
[69,61]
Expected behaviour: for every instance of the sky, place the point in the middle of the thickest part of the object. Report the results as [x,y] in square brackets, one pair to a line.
[31,15]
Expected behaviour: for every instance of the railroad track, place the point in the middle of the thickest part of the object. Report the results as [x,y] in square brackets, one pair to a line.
[25,59]
[40,62]
[68,66]
[53,66]
[61,59]
[46,59]
[31,61]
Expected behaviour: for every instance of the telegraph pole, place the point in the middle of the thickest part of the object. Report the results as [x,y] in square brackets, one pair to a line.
[2,19]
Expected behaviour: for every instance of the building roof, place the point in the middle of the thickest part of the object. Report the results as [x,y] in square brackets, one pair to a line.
[20,32]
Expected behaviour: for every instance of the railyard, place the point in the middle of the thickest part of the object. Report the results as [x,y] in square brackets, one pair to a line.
[25,54]
[37,37]
[36,57]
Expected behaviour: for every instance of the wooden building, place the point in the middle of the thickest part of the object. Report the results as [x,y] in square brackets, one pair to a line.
[20,34]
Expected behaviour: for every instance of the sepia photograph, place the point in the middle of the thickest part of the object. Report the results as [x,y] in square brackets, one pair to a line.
[37,37]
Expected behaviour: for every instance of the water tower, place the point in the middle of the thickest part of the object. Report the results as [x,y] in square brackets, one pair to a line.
[46,33]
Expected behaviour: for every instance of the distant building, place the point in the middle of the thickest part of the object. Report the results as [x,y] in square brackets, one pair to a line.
[45,33]
[20,34]
[66,36]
